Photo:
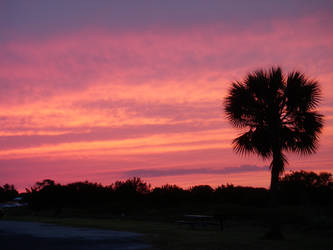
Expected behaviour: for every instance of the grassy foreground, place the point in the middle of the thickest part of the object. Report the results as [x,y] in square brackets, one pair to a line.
[237,235]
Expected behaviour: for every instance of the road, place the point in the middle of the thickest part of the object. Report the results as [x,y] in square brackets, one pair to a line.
[16,235]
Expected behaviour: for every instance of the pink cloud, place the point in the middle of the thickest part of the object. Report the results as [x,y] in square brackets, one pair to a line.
[96,85]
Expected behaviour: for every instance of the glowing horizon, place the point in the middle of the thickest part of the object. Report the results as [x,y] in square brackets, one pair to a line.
[103,91]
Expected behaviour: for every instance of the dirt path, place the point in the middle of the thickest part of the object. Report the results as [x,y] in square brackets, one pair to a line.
[15,235]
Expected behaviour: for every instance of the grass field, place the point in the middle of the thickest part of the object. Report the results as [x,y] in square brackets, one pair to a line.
[237,235]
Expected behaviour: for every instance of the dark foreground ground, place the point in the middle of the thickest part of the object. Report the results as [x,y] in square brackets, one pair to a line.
[16,235]
[81,233]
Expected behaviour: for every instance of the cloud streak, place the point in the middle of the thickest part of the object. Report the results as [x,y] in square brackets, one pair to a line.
[192,171]
[144,83]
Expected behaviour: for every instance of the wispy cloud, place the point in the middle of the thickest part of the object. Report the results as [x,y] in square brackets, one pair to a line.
[192,171]
[143,83]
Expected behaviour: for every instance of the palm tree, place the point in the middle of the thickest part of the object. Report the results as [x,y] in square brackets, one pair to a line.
[276,114]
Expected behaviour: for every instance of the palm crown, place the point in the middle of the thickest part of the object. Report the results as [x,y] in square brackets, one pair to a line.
[277,113]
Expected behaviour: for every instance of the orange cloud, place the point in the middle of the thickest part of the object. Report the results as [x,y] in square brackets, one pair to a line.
[80,95]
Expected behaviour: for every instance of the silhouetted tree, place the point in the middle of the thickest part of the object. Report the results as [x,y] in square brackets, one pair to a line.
[308,179]
[202,192]
[168,195]
[279,115]
[241,195]
[132,186]
[45,194]
[7,192]
[86,193]
[304,187]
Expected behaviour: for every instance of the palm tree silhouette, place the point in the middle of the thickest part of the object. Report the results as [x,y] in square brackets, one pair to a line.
[276,114]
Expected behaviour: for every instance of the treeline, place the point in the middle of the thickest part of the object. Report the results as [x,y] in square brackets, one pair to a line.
[135,194]
[7,192]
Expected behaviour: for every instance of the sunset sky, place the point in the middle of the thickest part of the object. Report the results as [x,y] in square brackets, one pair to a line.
[107,90]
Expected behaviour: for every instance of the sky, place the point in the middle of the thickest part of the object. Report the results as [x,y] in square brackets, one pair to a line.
[108,90]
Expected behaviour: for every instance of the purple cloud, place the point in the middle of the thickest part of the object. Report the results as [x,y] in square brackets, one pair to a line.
[190,171]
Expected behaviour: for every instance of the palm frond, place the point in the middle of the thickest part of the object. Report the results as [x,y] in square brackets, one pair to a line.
[254,141]
[302,136]
[243,143]
[239,106]
[302,94]
[279,112]
[276,80]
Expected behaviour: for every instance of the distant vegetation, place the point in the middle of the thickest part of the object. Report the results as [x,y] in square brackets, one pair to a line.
[133,205]
[135,196]
[7,192]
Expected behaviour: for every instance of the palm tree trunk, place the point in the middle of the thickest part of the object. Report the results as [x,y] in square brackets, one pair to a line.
[276,167]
